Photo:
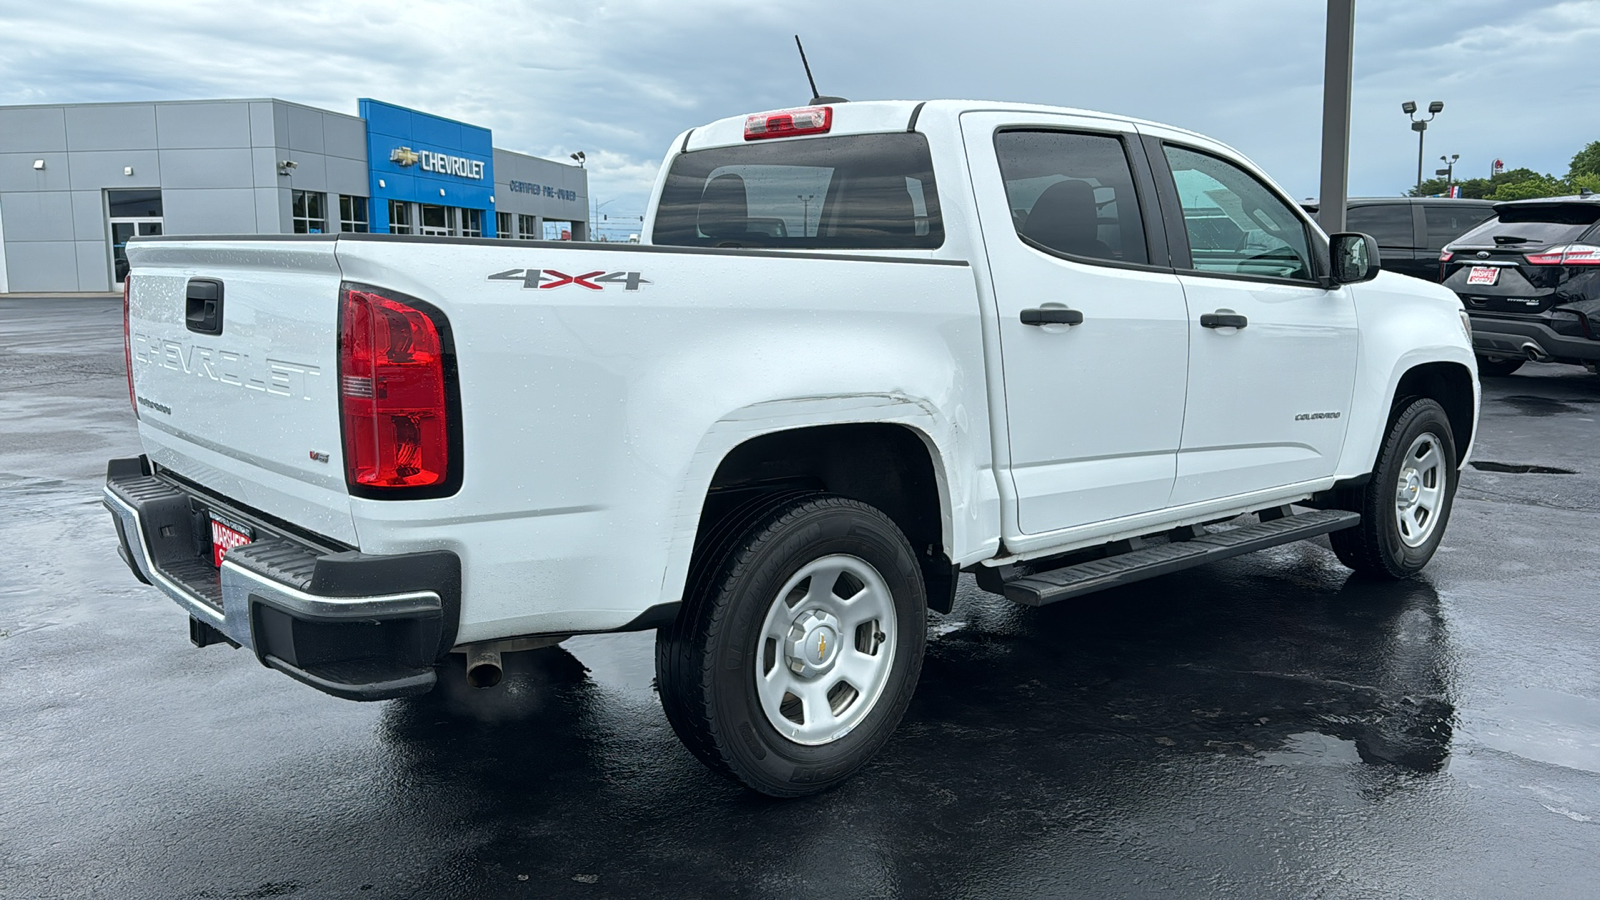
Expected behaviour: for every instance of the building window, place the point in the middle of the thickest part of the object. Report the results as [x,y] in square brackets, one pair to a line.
[436,220]
[399,217]
[502,226]
[310,212]
[352,213]
[528,227]
[472,223]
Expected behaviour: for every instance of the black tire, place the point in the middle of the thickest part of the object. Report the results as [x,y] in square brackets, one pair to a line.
[1498,366]
[706,660]
[1376,546]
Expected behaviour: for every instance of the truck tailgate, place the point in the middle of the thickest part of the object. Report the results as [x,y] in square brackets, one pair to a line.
[243,402]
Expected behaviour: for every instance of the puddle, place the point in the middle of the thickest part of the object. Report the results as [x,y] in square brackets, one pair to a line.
[1517,468]
[1541,406]
[1312,748]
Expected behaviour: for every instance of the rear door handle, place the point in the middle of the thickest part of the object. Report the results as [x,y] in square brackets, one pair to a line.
[1052,316]
[1223,320]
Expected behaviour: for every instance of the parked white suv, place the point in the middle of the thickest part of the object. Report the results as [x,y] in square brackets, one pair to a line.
[861,348]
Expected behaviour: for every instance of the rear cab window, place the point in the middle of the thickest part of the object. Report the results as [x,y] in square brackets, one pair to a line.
[849,192]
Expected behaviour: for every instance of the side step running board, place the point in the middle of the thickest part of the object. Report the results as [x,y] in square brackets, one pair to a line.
[1066,582]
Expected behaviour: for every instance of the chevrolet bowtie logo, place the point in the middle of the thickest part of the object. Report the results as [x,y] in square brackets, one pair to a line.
[405,156]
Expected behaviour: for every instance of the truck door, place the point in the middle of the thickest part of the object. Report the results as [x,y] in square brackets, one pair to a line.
[1272,353]
[1092,326]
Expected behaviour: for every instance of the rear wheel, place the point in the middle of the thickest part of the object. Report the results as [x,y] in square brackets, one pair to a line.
[1498,366]
[1406,504]
[798,647]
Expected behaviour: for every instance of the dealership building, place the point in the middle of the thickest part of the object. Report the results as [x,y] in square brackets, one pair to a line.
[78,180]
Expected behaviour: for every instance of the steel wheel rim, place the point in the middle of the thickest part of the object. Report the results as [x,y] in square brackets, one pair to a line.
[1420,490]
[825,650]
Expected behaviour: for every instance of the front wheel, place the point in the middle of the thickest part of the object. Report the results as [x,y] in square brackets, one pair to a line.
[798,647]
[1406,505]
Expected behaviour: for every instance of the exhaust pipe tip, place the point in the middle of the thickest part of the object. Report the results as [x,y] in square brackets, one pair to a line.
[1535,352]
[483,667]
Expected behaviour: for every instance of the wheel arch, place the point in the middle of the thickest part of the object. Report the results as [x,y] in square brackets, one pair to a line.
[1452,386]
[892,466]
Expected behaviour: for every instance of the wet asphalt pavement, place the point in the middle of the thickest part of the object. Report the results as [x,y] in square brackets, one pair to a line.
[1265,727]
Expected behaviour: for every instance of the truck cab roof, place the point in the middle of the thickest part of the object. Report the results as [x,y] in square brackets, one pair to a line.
[878,116]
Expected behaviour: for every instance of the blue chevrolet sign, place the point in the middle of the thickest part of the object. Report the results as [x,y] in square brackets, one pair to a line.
[416,157]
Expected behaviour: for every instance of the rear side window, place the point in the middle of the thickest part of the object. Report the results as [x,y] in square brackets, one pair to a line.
[1072,193]
[1389,225]
[1534,224]
[1446,223]
[852,192]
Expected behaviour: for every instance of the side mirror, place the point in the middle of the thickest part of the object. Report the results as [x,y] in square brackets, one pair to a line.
[1355,257]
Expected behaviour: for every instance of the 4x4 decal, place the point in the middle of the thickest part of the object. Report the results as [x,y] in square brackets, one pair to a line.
[545,279]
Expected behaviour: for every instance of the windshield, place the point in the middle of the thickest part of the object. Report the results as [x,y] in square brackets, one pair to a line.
[865,191]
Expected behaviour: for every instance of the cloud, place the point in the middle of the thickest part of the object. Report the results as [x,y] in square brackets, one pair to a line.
[619,78]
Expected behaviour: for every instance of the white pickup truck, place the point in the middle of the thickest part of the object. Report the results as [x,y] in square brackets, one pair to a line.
[863,347]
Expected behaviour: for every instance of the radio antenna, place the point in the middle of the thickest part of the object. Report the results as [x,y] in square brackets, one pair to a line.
[815,97]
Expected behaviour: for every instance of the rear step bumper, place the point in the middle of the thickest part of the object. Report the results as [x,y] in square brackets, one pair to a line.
[1055,585]
[353,625]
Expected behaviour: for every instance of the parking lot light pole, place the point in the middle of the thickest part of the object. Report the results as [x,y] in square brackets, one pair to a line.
[1420,126]
[1337,66]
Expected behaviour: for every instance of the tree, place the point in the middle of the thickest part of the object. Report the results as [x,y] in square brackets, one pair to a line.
[1530,188]
[1586,162]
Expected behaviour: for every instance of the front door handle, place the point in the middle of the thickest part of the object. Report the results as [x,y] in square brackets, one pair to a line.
[1223,320]
[1052,316]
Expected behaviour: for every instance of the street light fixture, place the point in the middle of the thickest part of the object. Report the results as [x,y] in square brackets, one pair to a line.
[1449,170]
[805,221]
[578,157]
[1420,126]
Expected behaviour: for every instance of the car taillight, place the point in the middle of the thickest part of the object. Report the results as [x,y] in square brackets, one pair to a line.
[1566,255]
[127,343]
[789,123]
[1445,256]
[392,392]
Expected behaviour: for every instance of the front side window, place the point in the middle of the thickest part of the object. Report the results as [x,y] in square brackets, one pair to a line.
[310,212]
[399,217]
[1446,222]
[1389,225]
[1237,225]
[352,214]
[1072,194]
[863,191]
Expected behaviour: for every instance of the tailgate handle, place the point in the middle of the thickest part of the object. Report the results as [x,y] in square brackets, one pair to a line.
[202,312]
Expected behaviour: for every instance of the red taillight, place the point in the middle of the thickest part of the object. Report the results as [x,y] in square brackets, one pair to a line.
[1566,255]
[392,393]
[1445,256]
[789,123]
[127,343]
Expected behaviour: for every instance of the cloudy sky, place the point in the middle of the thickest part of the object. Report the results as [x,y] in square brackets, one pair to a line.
[619,79]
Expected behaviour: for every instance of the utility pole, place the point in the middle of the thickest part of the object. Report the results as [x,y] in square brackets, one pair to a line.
[1336,74]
